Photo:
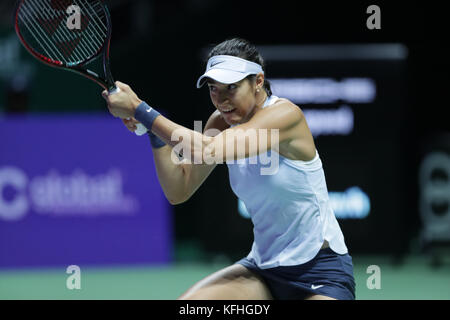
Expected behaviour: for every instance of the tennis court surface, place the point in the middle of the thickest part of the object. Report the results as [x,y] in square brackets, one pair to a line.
[412,279]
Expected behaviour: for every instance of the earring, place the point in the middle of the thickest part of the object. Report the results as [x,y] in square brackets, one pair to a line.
[257,90]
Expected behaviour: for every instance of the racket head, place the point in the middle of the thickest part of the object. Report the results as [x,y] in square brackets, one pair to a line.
[43,28]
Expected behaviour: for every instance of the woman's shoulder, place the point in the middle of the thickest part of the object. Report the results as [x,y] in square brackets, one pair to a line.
[285,107]
[283,101]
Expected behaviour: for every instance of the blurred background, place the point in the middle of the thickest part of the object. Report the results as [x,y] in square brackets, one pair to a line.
[76,188]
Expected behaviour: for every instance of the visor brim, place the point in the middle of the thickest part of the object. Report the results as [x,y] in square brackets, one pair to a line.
[222,76]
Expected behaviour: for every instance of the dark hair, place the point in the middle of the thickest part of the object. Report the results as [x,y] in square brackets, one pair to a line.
[241,48]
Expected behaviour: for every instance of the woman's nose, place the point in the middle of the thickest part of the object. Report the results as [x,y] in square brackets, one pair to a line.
[222,97]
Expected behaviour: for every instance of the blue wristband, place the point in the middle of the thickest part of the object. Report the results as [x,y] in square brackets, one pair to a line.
[155,141]
[146,115]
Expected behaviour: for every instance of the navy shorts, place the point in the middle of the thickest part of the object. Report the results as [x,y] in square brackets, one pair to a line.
[328,273]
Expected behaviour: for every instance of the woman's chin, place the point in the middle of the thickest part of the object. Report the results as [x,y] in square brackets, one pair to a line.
[232,121]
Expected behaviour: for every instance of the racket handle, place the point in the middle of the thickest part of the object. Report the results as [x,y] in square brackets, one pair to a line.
[114,90]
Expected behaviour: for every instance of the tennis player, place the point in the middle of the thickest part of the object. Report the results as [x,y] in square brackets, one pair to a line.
[298,250]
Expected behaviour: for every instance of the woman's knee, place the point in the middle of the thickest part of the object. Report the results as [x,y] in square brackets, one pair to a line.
[234,282]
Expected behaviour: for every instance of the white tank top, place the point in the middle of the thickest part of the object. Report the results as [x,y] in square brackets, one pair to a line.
[290,210]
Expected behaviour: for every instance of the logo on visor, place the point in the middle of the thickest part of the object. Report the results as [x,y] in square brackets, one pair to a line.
[216,63]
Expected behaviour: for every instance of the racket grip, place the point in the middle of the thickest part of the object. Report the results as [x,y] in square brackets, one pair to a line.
[114,90]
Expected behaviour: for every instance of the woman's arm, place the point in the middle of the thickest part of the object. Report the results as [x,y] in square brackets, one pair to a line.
[267,129]
[181,180]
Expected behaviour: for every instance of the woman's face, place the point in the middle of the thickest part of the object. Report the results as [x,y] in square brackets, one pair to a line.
[235,101]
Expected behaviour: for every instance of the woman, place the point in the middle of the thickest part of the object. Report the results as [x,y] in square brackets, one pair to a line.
[298,250]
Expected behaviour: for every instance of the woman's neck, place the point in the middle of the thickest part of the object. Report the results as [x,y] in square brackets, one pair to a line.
[260,100]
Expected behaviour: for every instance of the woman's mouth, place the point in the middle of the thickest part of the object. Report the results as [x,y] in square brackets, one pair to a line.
[228,111]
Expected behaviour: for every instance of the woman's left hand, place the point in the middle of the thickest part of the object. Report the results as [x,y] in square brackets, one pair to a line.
[123,103]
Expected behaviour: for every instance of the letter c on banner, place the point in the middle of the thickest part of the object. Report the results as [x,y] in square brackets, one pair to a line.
[16,208]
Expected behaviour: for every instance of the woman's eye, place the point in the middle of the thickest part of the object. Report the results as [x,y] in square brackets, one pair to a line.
[232,87]
[212,88]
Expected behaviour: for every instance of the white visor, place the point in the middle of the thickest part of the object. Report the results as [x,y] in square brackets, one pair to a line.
[228,69]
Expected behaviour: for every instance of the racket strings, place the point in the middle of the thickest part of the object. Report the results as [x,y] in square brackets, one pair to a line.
[50,22]
[41,40]
[66,41]
[100,31]
[95,34]
[44,23]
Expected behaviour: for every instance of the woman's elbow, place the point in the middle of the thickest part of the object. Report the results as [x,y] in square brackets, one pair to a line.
[177,200]
[174,202]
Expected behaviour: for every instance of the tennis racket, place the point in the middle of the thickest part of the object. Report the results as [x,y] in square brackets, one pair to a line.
[68,34]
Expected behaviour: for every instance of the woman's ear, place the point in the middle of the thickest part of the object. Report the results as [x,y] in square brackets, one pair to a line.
[259,81]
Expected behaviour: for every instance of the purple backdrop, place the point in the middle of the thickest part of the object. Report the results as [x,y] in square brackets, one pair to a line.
[79,189]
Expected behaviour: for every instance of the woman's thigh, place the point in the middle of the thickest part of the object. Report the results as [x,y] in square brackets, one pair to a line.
[235,282]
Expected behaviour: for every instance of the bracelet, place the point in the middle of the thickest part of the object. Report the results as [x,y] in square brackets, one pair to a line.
[146,115]
[155,141]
